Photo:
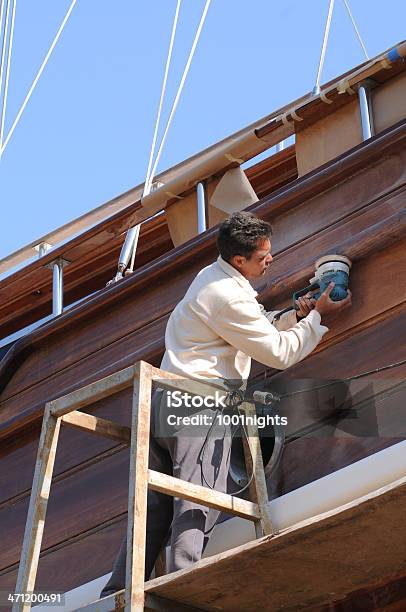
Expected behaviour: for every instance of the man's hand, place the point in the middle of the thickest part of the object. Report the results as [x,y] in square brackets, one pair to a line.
[326,306]
[305,304]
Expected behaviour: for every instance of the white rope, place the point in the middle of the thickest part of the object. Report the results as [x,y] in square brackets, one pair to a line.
[151,173]
[40,71]
[147,185]
[5,94]
[316,89]
[1,22]
[182,82]
[4,44]
[148,182]
[347,6]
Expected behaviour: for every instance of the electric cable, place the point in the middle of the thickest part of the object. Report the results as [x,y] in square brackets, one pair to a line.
[34,83]
[348,379]
[347,6]
[6,81]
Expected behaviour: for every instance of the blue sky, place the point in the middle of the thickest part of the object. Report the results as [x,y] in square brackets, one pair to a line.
[86,133]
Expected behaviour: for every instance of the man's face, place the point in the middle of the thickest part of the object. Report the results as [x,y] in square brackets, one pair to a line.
[258,263]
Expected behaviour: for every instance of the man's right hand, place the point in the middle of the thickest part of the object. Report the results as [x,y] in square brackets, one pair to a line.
[326,306]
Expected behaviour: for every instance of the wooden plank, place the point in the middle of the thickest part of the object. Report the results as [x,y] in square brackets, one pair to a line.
[97,426]
[255,470]
[35,523]
[208,497]
[317,561]
[138,488]
[168,380]
[116,603]
[92,393]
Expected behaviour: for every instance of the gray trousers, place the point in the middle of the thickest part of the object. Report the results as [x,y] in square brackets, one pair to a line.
[189,524]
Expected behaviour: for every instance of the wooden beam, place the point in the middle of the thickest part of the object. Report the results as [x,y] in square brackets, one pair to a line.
[97,426]
[138,488]
[196,493]
[255,467]
[116,603]
[168,380]
[34,527]
[92,393]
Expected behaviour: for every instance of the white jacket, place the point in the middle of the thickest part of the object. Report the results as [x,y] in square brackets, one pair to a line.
[219,326]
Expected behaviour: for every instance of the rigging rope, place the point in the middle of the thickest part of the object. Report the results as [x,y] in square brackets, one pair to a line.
[4,42]
[1,25]
[148,180]
[151,173]
[6,82]
[316,89]
[40,71]
[147,186]
[347,6]
[182,82]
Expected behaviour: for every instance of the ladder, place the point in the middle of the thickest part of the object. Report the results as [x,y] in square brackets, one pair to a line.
[66,410]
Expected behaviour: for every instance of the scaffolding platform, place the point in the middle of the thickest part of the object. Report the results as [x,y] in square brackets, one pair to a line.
[319,560]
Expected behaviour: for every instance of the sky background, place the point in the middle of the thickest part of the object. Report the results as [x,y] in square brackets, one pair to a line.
[86,133]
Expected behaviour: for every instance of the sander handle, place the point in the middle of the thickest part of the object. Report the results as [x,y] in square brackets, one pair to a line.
[297,295]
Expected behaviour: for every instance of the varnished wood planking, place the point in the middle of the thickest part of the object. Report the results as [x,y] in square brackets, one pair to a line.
[284,265]
[63,568]
[32,297]
[325,455]
[395,137]
[373,288]
[97,493]
[74,448]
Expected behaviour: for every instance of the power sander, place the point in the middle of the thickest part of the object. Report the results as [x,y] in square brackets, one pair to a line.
[329,268]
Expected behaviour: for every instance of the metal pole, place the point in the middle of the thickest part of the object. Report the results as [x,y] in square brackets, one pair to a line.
[363,94]
[201,208]
[56,288]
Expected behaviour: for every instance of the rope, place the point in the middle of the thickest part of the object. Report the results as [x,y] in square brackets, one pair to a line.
[182,82]
[1,24]
[347,6]
[151,173]
[5,94]
[148,178]
[4,43]
[316,89]
[40,71]
[147,184]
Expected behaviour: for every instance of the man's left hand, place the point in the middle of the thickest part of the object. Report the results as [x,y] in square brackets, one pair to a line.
[305,304]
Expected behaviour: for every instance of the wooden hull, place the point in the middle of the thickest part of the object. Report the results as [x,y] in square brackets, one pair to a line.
[353,205]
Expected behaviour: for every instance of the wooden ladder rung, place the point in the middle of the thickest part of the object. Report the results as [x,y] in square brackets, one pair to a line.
[97,426]
[203,495]
[93,392]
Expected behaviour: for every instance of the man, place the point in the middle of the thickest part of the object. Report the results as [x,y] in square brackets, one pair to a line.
[212,334]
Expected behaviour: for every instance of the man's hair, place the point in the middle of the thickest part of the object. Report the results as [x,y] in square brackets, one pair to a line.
[239,234]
